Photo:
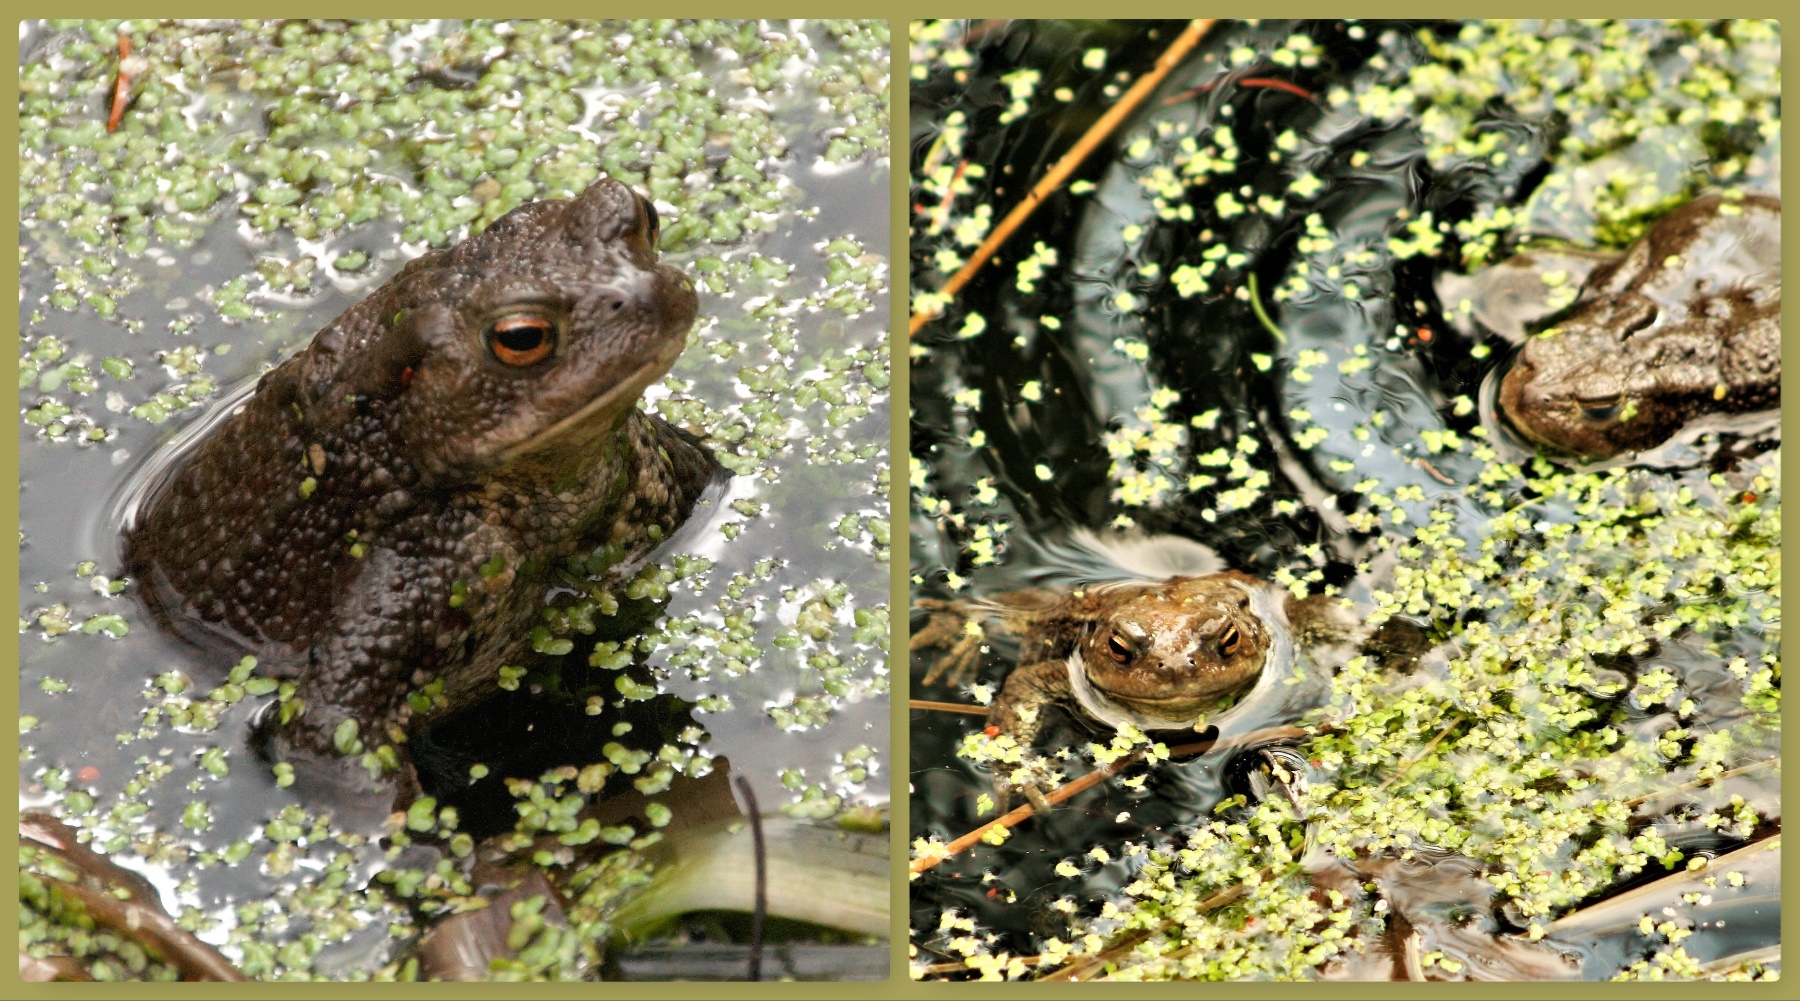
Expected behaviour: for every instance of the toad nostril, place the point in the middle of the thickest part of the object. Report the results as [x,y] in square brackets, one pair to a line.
[632,291]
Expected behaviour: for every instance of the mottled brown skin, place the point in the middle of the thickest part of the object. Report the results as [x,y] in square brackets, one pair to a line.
[1687,322]
[432,452]
[1169,649]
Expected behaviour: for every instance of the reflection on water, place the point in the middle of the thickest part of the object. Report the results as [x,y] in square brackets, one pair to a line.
[1231,330]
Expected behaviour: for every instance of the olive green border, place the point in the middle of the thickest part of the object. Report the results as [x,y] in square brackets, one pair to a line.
[899,508]
[898,12]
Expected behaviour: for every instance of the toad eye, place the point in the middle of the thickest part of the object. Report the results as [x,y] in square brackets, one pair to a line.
[1117,648]
[1228,643]
[1601,411]
[654,223]
[521,339]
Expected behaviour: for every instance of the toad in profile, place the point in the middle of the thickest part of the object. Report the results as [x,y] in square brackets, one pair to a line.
[367,521]
[1687,322]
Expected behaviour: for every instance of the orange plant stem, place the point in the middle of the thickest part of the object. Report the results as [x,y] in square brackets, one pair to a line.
[1025,812]
[121,86]
[947,707]
[1100,775]
[1053,180]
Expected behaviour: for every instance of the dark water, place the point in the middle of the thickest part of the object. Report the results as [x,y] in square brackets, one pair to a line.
[1044,425]
[824,470]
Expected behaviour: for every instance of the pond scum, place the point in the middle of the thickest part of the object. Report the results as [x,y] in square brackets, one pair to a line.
[1514,749]
[1520,743]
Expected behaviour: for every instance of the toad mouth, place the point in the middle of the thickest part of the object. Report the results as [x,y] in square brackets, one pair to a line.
[603,410]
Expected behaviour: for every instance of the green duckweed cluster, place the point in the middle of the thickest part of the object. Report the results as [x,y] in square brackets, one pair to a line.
[1649,114]
[321,142]
[1544,738]
[304,131]
[55,927]
[1646,115]
[315,126]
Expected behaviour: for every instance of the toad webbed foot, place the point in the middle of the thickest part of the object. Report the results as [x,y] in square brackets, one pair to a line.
[955,630]
[1013,723]
[324,763]
[1032,776]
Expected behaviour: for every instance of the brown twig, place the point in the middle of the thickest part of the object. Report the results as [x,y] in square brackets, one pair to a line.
[1624,909]
[1274,84]
[947,707]
[1054,179]
[940,216]
[1697,783]
[1078,971]
[1095,777]
[1407,765]
[1267,735]
[1436,473]
[1025,812]
[136,915]
[1412,956]
[1249,81]
[1768,955]
[1081,970]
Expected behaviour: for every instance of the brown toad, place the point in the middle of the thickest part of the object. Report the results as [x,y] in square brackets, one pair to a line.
[1150,654]
[1155,655]
[372,518]
[1687,322]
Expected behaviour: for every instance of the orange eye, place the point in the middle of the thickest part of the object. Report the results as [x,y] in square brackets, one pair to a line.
[1228,643]
[1117,648]
[1602,411]
[522,339]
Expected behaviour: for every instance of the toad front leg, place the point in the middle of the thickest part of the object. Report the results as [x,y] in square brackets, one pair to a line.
[962,629]
[956,628]
[1017,713]
[393,627]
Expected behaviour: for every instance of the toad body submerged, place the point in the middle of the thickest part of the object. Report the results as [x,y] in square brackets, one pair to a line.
[370,519]
[1686,323]
[1151,654]
[1157,655]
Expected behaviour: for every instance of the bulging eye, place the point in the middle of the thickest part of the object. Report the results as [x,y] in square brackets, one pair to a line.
[654,224]
[522,339]
[1601,411]
[1117,648]
[1228,643]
